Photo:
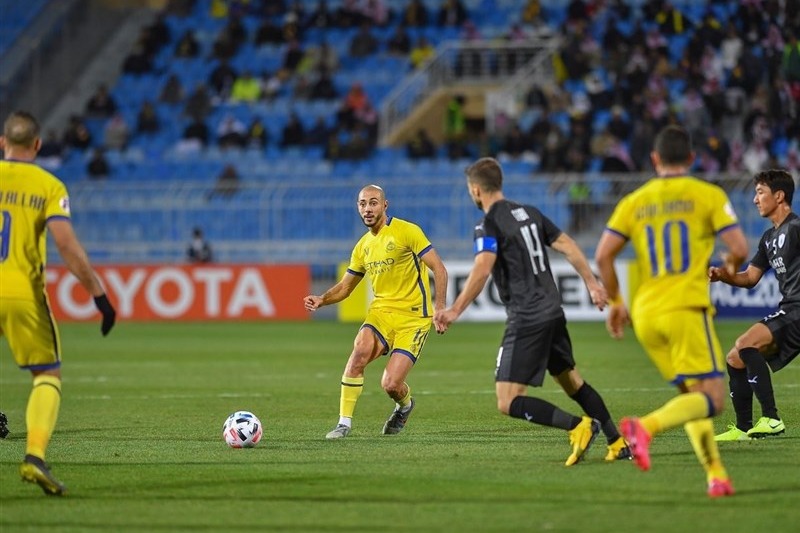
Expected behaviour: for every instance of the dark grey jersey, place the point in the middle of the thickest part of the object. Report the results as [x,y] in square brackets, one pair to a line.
[518,234]
[779,249]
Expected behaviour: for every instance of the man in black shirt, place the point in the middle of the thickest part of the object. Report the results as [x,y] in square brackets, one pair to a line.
[774,340]
[510,244]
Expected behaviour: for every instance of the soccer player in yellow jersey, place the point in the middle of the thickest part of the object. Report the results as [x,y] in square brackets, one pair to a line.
[396,255]
[672,222]
[33,201]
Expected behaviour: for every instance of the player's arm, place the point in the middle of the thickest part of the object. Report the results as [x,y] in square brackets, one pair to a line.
[566,245]
[335,294]
[609,247]
[733,259]
[434,262]
[77,262]
[748,278]
[481,270]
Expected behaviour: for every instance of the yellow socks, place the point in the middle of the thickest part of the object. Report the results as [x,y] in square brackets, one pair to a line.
[679,410]
[406,401]
[701,435]
[351,390]
[42,413]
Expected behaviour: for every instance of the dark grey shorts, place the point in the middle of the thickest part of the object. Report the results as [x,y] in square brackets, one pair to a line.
[528,351]
[785,327]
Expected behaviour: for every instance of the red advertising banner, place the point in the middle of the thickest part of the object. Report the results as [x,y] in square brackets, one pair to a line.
[187,292]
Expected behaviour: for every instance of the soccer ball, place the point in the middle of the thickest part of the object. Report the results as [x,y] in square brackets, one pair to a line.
[242,430]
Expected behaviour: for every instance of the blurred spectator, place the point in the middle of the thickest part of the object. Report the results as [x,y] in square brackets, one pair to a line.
[293,133]
[324,57]
[363,43]
[292,56]
[147,119]
[617,159]
[172,92]
[137,62]
[197,130]
[116,133]
[349,14]
[230,38]
[77,135]
[422,52]
[455,127]
[246,88]
[101,104]
[222,78]
[227,183]
[790,62]
[694,115]
[355,101]
[98,167]
[452,14]
[231,133]
[376,12]
[415,15]
[755,157]
[268,33]
[198,105]
[579,197]
[532,12]
[317,134]
[731,47]
[51,154]
[618,125]
[420,146]
[324,88]
[671,21]
[321,17]
[291,28]
[272,84]
[257,134]
[159,31]
[515,144]
[399,43]
[301,90]
[199,250]
[187,46]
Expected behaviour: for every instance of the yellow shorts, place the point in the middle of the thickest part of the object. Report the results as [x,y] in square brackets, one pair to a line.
[682,344]
[398,333]
[31,332]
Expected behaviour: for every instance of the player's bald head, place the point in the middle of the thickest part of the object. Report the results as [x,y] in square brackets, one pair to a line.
[371,191]
[21,129]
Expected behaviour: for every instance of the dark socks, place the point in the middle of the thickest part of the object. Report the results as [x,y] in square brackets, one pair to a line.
[760,380]
[593,405]
[541,412]
[741,397]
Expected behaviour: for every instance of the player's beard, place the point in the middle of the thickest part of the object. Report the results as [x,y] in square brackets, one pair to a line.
[375,220]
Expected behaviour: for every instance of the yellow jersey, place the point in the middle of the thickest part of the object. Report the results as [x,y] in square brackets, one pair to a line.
[392,259]
[29,197]
[672,223]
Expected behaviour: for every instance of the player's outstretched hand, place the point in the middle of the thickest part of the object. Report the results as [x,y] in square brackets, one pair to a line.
[312,302]
[439,323]
[616,320]
[108,312]
[716,273]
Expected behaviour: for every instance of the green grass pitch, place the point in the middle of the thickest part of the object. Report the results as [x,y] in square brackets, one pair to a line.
[139,441]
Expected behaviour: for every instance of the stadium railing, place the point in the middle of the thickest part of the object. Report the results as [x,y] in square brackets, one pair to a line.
[316,222]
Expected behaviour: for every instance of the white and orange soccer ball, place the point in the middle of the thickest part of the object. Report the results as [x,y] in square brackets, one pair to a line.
[242,429]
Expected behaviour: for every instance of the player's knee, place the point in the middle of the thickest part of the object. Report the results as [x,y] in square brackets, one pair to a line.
[392,385]
[733,359]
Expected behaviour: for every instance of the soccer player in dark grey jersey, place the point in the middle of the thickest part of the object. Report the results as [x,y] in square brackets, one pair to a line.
[775,340]
[510,244]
